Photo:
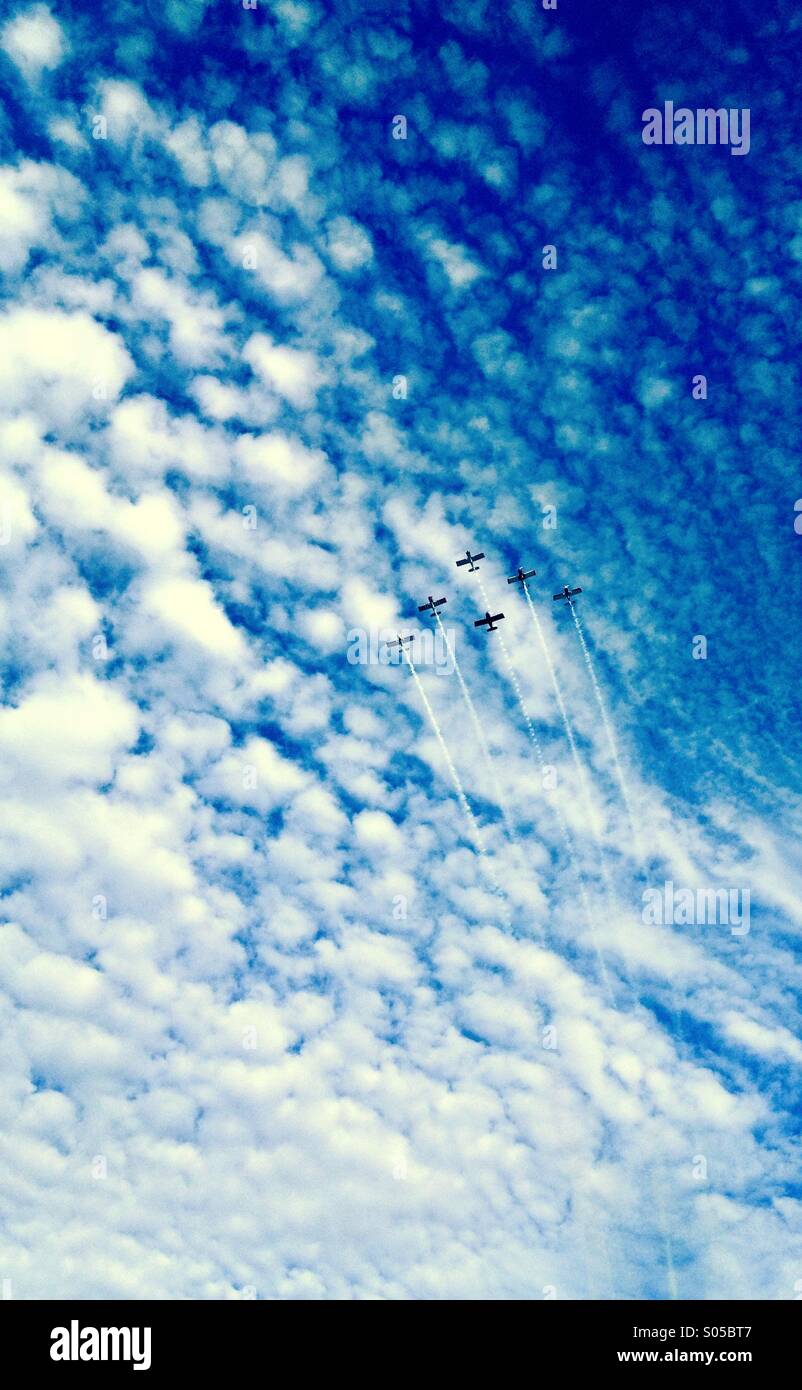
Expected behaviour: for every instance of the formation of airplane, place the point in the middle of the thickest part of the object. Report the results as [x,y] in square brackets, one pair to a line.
[567,594]
[489,621]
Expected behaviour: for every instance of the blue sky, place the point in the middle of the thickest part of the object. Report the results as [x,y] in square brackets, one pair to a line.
[272,1033]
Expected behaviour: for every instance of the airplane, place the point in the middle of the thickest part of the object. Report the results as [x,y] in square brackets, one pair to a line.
[521,576]
[433,603]
[488,621]
[470,559]
[400,641]
[567,594]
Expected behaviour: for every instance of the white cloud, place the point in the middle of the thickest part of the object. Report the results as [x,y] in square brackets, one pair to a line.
[33,40]
[222,402]
[30,196]
[349,245]
[63,364]
[324,628]
[188,610]
[242,162]
[186,143]
[280,462]
[126,111]
[776,1043]
[376,830]
[66,729]
[455,260]
[246,928]
[289,278]
[146,440]
[196,321]
[292,373]
[255,775]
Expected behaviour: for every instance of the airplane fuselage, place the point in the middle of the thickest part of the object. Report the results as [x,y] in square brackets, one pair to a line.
[469,560]
[489,621]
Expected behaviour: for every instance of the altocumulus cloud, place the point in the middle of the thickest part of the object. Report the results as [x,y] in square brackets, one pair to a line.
[269,1027]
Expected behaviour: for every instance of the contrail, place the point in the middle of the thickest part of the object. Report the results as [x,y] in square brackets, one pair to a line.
[525,712]
[663,1222]
[659,1190]
[557,812]
[590,1224]
[478,730]
[569,732]
[678,1030]
[473,824]
[578,764]
[665,1231]
[608,729]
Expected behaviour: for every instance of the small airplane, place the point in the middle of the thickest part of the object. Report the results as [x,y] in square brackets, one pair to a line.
[401,642]
[521,576]
[432,604]
[567,594]
[489,621]
[471,560]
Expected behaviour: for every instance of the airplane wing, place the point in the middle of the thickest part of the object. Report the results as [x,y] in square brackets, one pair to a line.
[556,596]
[480,556]
[481,622]
[463,562]
[576,591]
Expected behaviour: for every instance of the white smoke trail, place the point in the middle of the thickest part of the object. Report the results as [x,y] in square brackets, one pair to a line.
[608,728]
[592,1229]
[678,1032]
[524,711]
[577,761]
[569,732]
[558,815]
[473,824]
[658,1185]
[662,1215]
[481,737]
[516,687]
[557,812]
[663,1222]
[665,1230]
